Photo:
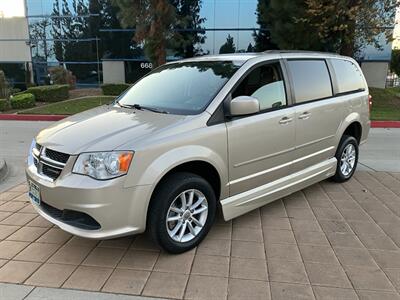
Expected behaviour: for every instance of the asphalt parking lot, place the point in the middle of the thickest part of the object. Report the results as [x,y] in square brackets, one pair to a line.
[329,241]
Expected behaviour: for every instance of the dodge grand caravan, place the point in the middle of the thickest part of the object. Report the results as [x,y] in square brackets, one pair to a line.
[227,132]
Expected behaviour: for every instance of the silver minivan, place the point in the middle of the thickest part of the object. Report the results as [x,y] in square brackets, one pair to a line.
[227,132]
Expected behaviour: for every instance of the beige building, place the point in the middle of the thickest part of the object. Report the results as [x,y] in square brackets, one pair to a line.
[14,40]
[375,73]
[396,32]
[14,34]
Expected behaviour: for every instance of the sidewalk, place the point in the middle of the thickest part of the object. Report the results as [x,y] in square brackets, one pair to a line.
[10,291]
[382,150]
[329,240]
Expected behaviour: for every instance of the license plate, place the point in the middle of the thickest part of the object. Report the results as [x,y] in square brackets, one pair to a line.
[34,193]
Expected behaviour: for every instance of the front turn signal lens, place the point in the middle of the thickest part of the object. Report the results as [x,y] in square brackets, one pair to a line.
[125,161]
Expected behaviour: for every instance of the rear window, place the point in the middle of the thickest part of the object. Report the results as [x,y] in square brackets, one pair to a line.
[348,75]
[310,79]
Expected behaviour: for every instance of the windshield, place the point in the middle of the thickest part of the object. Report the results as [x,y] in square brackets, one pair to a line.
[184,88]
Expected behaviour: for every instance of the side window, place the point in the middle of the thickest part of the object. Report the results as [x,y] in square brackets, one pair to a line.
[348,75]
[266,84]
[310,79]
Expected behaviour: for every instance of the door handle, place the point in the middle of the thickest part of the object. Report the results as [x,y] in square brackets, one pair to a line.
[285,120]
[305,115]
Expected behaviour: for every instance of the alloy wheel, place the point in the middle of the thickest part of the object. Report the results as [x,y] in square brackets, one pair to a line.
[187,215]
[348,160]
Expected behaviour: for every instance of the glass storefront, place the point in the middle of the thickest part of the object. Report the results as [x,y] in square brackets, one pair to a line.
[78,34]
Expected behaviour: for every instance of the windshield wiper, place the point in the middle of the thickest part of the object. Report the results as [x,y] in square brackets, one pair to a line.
[124,105]
[141,107]
[153,109]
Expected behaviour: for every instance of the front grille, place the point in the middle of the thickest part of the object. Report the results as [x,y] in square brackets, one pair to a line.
[71,217]
[57,156]
[51,172]
[48,162]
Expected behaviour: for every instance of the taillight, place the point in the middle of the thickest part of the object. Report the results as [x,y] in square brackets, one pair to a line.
[369,103]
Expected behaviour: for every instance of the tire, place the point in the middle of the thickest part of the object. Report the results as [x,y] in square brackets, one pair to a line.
[349,144]
[167,201]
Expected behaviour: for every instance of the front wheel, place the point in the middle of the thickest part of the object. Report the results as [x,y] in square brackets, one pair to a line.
[347,158]
[181,212]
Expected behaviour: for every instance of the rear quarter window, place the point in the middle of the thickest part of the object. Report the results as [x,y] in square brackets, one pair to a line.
[348,75]
[310,80]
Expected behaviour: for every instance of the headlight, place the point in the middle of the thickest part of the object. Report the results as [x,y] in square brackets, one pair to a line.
[103,165]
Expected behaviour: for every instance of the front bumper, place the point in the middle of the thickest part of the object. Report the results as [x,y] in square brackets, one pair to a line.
[117,209]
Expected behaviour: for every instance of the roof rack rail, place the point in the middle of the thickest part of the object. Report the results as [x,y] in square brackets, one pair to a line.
[299,52]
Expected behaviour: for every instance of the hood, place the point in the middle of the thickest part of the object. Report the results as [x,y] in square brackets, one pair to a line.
[104,129]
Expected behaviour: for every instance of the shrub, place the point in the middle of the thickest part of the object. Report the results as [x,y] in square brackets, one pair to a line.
[114,89]
[4,105]
[26,100]
[59,75]
[49,93]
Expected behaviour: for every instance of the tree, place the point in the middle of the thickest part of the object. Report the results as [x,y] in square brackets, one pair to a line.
[395,62]
[77,37]
[111,44]
[338,26]
[153,21]
[286,31]
[189,22]
[57,31]
[262,37]
[250,48]
[39,31]
[228,47]
[346,25]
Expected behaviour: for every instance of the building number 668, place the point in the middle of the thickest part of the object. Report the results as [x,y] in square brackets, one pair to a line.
[146,65]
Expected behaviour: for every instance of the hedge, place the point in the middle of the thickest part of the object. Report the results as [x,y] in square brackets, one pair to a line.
[114,89]
[50,93]
[26,100]
[3,105]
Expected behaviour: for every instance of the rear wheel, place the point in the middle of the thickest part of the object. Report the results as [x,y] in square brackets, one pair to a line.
[347,157]
[181,212]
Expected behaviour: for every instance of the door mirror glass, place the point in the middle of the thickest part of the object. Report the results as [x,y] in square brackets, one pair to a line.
[244,105]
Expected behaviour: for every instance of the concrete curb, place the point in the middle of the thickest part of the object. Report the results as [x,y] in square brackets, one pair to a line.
[385,124]
[15,117]
[3,169]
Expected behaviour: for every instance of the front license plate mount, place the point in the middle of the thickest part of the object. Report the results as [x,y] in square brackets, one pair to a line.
[34,193]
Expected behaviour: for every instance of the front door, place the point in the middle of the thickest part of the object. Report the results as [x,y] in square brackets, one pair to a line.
[260,147]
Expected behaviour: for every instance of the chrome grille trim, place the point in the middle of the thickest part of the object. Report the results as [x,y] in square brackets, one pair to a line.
[52,163]
[40,159]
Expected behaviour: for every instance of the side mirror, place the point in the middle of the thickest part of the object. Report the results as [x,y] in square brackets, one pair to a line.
[244,105]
